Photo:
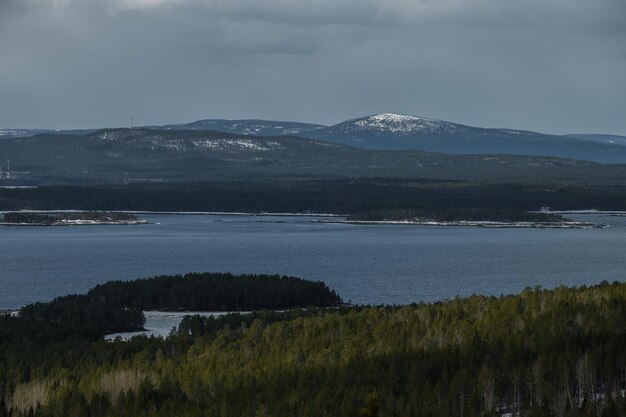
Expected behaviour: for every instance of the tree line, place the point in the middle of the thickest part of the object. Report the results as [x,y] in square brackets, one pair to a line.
[349,196]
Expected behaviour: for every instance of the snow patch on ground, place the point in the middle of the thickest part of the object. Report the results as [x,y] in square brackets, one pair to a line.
[160,323]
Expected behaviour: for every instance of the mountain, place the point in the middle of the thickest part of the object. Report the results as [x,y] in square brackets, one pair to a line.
[386,130]
[389,131]
[132,155]
[395,131]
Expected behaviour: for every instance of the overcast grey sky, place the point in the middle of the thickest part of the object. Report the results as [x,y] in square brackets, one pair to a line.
[556,66]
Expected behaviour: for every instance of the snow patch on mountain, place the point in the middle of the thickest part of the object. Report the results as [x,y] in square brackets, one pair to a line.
[10,133]
[245,145]
[116,135]
[169,142]
[20,133]
[399,124]
[246,127]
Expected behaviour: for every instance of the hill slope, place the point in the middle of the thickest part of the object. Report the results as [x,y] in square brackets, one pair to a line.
[612,139]
[389,131]
[124,155]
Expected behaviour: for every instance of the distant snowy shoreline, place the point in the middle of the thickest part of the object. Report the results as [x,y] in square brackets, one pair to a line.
[264,213]
[190,213]
[487,224]
[79,223]
[591,211]
[343,219]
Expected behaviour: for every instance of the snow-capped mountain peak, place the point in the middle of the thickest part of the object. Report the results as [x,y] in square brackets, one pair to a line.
[394,118]
[401,124]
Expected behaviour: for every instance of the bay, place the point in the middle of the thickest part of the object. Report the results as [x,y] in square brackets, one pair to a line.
[365,264]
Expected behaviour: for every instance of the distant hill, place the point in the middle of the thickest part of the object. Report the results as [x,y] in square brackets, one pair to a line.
[393,131]
[24,133]
[20,133]
[125,155]
[612,139]
[246,127]
[389,131]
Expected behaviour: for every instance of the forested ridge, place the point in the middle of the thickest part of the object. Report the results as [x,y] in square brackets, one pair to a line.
[439,199]
[131,155]
[540,353]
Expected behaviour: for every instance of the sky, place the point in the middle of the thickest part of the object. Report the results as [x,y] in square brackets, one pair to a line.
[555,66]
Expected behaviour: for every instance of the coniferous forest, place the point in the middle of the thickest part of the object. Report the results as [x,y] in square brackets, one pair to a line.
[557,352]
[215,292]
[363,199]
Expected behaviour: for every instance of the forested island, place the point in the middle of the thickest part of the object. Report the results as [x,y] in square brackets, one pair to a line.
[455,214]
[28,218]
[481,217]
[117,306]
[556,352]
[216,292]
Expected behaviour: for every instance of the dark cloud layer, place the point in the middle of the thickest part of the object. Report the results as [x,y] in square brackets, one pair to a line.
[557,66]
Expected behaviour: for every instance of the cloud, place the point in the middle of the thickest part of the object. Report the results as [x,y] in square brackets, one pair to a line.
[561,14]
[533,64]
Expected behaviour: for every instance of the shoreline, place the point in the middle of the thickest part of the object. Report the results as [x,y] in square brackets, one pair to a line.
[337,219]
[590,211]
[80,223]
[468,223]
[189,213]
[12,313]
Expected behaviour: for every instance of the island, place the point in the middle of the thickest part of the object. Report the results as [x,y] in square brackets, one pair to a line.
[476,217]
[117,306]
[69,218]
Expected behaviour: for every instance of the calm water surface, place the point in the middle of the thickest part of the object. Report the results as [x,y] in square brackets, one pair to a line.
[364,264]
